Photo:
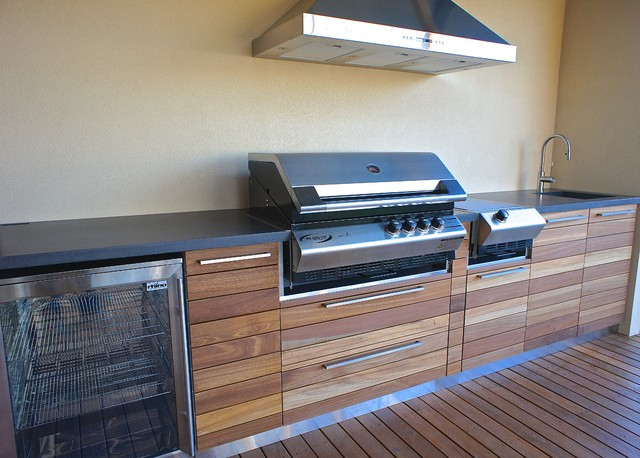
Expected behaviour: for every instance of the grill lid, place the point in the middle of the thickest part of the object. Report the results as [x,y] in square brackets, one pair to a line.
[326,182]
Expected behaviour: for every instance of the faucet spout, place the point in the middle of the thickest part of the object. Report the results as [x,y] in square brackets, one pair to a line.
[542,179]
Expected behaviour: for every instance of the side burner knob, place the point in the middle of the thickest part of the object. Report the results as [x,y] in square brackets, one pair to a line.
[437,223]
[409,225]
[394,227]
[501,216]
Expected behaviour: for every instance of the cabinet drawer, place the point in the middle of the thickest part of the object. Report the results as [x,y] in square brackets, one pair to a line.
[597,215]
[319,392]
[231,282]
[360,343]
[558,250]
[336,366]
[493,343]
[359,304]
[343,327]
[231,258]
[562,219]
[497,277]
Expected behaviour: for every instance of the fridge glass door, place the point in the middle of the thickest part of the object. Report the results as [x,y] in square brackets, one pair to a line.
[91,372]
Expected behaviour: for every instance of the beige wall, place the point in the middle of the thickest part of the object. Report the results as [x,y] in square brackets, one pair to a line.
[598,96]
[133,107]
[599,109]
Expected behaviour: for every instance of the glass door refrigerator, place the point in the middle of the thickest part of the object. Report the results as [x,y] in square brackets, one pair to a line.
[94,363]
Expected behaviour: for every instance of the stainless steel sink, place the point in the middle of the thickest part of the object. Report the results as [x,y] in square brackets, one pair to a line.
[575,194]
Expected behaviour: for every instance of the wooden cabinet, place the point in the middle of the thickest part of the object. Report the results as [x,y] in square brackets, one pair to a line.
[234,329]
[606,273]
[558,258]
[340,349]
[496,312]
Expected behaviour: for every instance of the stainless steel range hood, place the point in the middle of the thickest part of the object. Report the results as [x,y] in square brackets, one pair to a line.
[421,36]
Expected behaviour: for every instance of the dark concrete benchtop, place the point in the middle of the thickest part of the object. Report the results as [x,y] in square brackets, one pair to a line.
[488,201]
[83,240]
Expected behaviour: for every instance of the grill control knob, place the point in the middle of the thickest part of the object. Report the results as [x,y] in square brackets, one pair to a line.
[423,224]
[409,225]
[501,216]
[394,227]
[437,223]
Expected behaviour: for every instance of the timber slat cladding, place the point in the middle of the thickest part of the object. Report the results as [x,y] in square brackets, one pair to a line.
[582,401]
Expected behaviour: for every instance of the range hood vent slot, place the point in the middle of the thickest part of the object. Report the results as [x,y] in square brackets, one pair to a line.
[420,36]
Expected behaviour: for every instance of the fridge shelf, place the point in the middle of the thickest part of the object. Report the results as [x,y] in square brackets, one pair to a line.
[77,322]
[56,395]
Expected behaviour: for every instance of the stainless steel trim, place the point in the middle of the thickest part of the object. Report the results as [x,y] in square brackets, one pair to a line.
[284,432]
[373,298]
[377,203]
[205,262]
[353,288]
[182,371]
[472,267]
[7,433]
[358,359]
[385,187]
[501,273]
[565,218]
[616,213]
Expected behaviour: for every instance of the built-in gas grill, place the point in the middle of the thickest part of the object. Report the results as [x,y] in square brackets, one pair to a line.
[358,217]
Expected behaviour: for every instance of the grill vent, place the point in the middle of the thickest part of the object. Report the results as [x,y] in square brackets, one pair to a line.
[507,246]
[371,269]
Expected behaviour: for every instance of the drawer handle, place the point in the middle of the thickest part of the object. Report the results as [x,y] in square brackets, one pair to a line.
[501,273]
[566,218]
[619,212]
[346,362]
[206,262]
[377,296]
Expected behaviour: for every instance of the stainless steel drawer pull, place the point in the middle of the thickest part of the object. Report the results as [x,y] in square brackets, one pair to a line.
[346,362]
[372,298]
[566,218]
[205,262]
[616,213]
[501,273]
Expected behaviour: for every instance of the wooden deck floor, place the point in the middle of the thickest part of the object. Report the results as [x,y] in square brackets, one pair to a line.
[583,401]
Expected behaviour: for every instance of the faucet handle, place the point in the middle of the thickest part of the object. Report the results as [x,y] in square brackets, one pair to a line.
[544,179]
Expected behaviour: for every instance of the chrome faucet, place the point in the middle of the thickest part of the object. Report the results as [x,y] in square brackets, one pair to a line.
[542,179]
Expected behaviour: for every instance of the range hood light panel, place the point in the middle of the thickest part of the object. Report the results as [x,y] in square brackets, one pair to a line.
[423,36]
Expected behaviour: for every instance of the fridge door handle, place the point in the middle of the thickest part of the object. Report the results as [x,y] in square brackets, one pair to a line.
[185,408]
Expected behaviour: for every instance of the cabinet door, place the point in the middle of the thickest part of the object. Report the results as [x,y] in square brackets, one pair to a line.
[496,312]
[607,261]
[340,349]
[556,278]
[234,322]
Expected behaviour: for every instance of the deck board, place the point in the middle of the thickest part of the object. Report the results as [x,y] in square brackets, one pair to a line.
[581,401]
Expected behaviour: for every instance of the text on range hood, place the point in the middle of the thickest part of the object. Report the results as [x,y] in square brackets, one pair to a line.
[421,36]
